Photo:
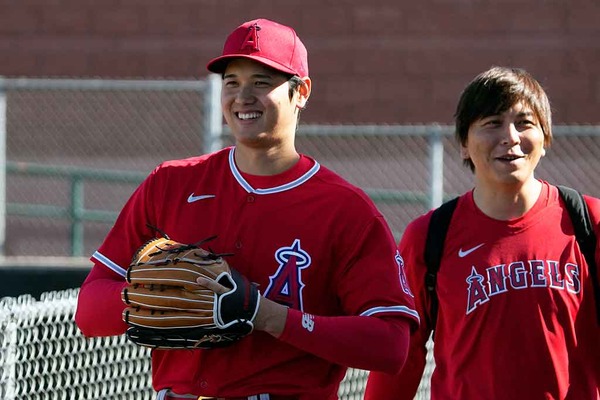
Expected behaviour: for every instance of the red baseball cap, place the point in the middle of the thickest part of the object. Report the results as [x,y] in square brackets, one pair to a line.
[272,44]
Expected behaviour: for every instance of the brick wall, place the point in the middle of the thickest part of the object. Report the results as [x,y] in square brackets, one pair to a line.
[371,62]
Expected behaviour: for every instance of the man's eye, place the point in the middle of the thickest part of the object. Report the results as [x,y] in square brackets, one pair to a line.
[493,122]
[261,83]
[230,84]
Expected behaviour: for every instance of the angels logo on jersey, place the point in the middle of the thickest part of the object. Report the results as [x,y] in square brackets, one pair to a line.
[402,275]
[520,275]
[285,286]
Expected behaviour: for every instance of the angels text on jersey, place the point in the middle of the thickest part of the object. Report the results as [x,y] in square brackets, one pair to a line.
[520,275]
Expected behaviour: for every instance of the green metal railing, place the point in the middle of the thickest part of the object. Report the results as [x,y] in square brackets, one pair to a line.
[77,214]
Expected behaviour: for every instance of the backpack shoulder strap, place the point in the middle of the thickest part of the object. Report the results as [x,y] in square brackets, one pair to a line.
[584,233]
[434,247]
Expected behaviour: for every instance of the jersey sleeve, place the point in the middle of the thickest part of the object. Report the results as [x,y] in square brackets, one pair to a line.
[99,306]
[134,226]
[404,385]
[591,333]
[367,343]
[594,211]
[373,282]
[412,247]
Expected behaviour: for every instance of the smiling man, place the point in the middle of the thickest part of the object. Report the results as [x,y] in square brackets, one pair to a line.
[516,312]
[333,292]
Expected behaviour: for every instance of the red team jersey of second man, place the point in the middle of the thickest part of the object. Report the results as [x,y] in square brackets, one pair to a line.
[278,227]
[537,283]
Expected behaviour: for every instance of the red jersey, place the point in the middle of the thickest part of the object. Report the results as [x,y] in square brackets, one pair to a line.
[310,240]
[516,315]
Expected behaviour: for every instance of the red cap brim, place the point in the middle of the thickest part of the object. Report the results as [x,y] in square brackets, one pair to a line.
[219,64]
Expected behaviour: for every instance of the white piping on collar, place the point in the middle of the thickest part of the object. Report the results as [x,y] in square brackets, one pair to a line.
[277,189]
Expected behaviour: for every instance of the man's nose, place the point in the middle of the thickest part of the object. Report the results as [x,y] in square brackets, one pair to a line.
[511,134]
[245,94]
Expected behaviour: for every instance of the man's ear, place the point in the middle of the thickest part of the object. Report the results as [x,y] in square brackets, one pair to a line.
[464,152]
[304,91]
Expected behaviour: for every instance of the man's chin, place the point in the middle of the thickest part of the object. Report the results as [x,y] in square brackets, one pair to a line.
[260,141]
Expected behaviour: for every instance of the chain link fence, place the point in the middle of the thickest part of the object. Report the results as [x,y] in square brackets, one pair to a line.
[75,150]
[43,356]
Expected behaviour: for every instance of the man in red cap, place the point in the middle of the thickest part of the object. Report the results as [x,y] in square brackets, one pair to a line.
[333,292]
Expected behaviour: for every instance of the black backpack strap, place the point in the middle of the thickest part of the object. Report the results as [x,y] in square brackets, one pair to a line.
[584,233]
[434,247]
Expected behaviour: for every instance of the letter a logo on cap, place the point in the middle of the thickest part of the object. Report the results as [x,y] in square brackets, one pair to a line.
[279,48]
[251,40]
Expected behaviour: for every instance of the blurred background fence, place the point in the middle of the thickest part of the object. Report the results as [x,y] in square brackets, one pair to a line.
[43,356]
[74,150]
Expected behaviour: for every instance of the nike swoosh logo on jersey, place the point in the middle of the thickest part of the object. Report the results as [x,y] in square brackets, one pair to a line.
[193,198]
[464,253]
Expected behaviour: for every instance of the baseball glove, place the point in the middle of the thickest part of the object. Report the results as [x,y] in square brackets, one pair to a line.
[168,309]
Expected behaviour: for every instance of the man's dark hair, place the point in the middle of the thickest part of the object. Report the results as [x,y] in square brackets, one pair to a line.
[493,92]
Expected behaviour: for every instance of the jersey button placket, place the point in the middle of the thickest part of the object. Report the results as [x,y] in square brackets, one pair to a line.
[249,199]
